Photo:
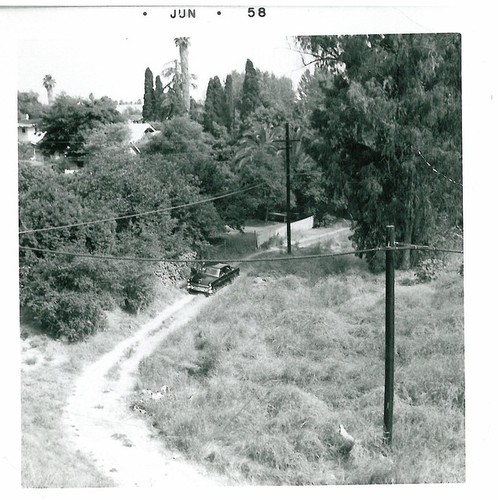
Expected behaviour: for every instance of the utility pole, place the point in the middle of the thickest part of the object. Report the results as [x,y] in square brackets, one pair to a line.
[389,358]
[287,176]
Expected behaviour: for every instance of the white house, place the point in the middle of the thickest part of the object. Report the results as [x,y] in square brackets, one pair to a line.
[26,130]
[139,132]
[28,133]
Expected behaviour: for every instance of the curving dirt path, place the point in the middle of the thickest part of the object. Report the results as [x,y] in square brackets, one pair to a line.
[98,422]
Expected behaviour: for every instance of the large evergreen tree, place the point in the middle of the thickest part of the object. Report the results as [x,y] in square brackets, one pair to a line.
[250,98]
[230,100]
[158,99]
[385,99]
[148,109]
[215,107]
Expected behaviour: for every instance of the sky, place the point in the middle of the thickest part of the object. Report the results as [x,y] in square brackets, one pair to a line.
[116,68]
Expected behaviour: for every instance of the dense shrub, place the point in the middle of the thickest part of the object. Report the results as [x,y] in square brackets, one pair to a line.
[71,315]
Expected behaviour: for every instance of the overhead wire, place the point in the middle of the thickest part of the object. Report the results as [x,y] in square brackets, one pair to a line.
[435,170]
[149,212]
[236,259]
[410,246]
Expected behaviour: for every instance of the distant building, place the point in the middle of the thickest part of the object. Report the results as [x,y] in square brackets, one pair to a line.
[26,130]
[139,134]
[28,133]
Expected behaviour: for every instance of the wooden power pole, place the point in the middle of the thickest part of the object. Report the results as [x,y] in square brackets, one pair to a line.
[287,176]
[389,358]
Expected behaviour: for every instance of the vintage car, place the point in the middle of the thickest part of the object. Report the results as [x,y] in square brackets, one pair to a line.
[209,278]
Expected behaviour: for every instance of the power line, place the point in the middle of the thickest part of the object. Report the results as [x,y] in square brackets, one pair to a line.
[119,217]
[409,246]
[449,179]
[236,259]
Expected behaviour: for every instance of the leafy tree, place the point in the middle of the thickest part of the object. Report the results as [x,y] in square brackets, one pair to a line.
[258,162]
[173,103]
[307,180]
[69,118]
[385,99]
[67,295]
[28,104]
[250,98]
[149,105]
[196,112]
[183,142]
[188,151]
[276,91]
[111,137]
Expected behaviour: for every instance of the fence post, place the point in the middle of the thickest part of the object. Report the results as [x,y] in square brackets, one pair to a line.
[389,358]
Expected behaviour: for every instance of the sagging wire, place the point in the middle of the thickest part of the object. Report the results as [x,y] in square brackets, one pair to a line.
[197,261]
[449,179]
[410,246]
[160,210]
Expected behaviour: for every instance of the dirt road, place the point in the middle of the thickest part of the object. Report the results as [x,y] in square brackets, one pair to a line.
[98,422]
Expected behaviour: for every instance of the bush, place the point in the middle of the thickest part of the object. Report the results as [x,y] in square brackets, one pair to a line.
[72,315]
[68,297]
[429,269]
[137,291]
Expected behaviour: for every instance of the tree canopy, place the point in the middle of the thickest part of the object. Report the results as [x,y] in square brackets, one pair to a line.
[250,98]
[149,105]
[28,104]
[69,118]
[384,100]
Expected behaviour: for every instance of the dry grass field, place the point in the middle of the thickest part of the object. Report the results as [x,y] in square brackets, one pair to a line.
[257,386]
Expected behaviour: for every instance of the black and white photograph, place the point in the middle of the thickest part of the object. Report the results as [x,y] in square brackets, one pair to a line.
[238,250]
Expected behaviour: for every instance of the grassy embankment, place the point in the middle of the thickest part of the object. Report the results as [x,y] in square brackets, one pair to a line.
[49,369]
[259,383]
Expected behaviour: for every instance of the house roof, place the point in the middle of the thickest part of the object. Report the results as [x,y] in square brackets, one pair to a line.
[139,130]
[37,138]
[25,124]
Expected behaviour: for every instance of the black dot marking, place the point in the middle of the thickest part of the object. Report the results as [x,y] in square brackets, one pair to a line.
[219,13]
[145,13]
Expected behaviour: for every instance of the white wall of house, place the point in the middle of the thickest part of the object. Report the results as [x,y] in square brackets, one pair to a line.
[26,132]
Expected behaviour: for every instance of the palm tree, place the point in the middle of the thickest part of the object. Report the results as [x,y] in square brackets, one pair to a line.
[49,84]
[258,161]
[182,43]
[260,139]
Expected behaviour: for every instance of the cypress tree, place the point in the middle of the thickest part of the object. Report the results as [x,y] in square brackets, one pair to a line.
[229,97]
[215,107]
[148,106]
[158,99]
[250,92]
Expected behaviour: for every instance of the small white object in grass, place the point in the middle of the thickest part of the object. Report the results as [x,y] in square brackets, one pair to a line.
[349,440]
